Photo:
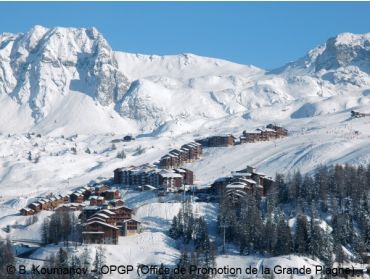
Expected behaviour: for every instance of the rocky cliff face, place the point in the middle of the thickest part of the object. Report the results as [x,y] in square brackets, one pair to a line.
[43,65]
[343,59]
[58,77]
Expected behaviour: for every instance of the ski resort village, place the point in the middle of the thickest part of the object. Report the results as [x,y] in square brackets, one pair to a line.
[102,215]
[120,165]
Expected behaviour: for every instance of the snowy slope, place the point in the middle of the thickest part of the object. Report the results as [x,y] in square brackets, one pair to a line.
[49,78]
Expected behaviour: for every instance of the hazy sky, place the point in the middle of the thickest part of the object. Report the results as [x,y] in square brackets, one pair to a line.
[267,34]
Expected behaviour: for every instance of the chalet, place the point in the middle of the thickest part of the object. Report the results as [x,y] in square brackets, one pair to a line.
[251,136]
[247,180]
[45,204]
[99,190]
[107,212]
[66,198]
[35,207]
[57,200]
[86,191]
[115,203]
[266,134]
[96,200]
[112,194]
[69,207]
[129,227]
[107,218]
[88,211]
[27,212]
[53,202]
[122,213]
[77,197]
[280,131]
[95,219]
[243,140]
[97,232]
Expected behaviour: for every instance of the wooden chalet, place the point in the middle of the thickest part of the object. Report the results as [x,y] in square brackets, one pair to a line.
[251,136]
[77,197]
[247,180]
[27,211]
[45,204]
[35,207]
[122,213]
[69,207]
[97,200]
[280,131]
[112,194]
[99,190]
[97,232]
[110,219]
[115,203]
[88,211]
[129,227]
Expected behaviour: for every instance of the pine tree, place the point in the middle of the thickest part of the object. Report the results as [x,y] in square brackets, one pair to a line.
[301,235]
[284,243]
[6,258]
[99,262]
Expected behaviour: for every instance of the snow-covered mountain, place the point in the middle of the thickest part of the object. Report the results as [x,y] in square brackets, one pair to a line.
[69,80]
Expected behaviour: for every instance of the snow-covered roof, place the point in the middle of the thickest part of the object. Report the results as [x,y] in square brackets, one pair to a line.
[96,219]
[235,186]
[106,211]
[101,215]
[95,207]
[119,207]
[125,221]
[239,173]
[150,187]
[250,181]
[167,174]
[102,223]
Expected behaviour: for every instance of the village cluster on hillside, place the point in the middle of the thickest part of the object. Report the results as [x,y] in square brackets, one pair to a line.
[103,214]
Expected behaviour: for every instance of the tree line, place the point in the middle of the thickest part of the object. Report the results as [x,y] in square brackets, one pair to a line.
[320,215]
[61,226]
[196,247]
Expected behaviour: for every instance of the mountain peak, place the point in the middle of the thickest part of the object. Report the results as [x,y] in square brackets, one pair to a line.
[44,64]
[341,51]
[348,38]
